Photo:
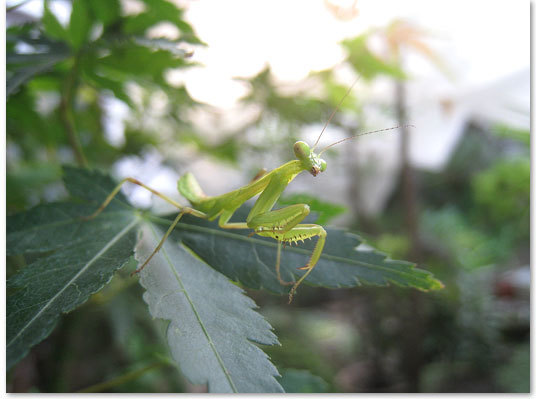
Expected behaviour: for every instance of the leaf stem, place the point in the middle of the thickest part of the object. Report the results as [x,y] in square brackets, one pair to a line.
[66,112]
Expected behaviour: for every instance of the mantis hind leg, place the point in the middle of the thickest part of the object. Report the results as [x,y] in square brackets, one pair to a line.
[310,230]
[277,267]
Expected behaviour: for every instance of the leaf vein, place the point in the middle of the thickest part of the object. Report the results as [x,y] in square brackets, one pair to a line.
[198,317]
[75,277]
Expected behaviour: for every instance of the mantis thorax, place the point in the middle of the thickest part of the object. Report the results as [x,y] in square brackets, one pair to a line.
[311,162]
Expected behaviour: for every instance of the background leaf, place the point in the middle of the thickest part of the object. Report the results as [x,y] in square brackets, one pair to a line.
[213,324]
[156,12]
[80,24]
[21,67]
[366,63]
[80,258]
[106,11]
[302,381]
[52,26]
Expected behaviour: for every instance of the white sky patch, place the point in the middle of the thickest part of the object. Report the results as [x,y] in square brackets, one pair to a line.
[116,112]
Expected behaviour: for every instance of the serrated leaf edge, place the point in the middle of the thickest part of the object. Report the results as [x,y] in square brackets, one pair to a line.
[434,284]
[196,313]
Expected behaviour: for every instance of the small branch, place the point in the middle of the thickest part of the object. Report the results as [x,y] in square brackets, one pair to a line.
[14,7]
[132,375]
[66,113]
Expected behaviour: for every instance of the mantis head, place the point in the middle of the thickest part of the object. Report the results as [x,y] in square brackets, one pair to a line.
[310,161]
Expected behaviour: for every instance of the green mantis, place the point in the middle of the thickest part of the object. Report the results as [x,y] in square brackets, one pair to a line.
[283,225]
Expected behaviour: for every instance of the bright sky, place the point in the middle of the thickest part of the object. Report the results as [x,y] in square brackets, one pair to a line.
[480,40]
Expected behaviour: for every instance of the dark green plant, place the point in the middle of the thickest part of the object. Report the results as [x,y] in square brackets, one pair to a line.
[212,324]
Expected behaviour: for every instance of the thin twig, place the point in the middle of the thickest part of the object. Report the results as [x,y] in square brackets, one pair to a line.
[132,375]
[66,113]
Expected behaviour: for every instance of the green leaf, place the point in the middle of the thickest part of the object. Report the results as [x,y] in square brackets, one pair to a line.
[52,26]
[24,74]
[80,24]
[157,12]
[79,258]
[106,11]
[302,381]
[365,62]
[251,260]
[212,323]
[140,62]
[102,82]
[23,67]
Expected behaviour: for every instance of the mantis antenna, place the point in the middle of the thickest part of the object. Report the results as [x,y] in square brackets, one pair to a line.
[335,111]
[362,134]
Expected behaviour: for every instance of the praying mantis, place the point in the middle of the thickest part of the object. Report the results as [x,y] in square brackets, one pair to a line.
[283,225]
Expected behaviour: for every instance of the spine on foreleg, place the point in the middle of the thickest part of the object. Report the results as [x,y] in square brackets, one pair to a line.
[190,189]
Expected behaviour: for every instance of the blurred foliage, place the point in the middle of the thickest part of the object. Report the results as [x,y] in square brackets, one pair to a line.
[474,224]
[502,193]
[365,62]
[295,109]
[60,80]
[325,210]
[514,376]
[471,247]
[521,135]
[302,381]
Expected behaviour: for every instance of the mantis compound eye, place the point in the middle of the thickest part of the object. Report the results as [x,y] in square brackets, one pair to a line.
[301,150]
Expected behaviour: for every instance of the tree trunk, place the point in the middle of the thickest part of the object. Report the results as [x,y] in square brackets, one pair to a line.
[412,358]
[409,194]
